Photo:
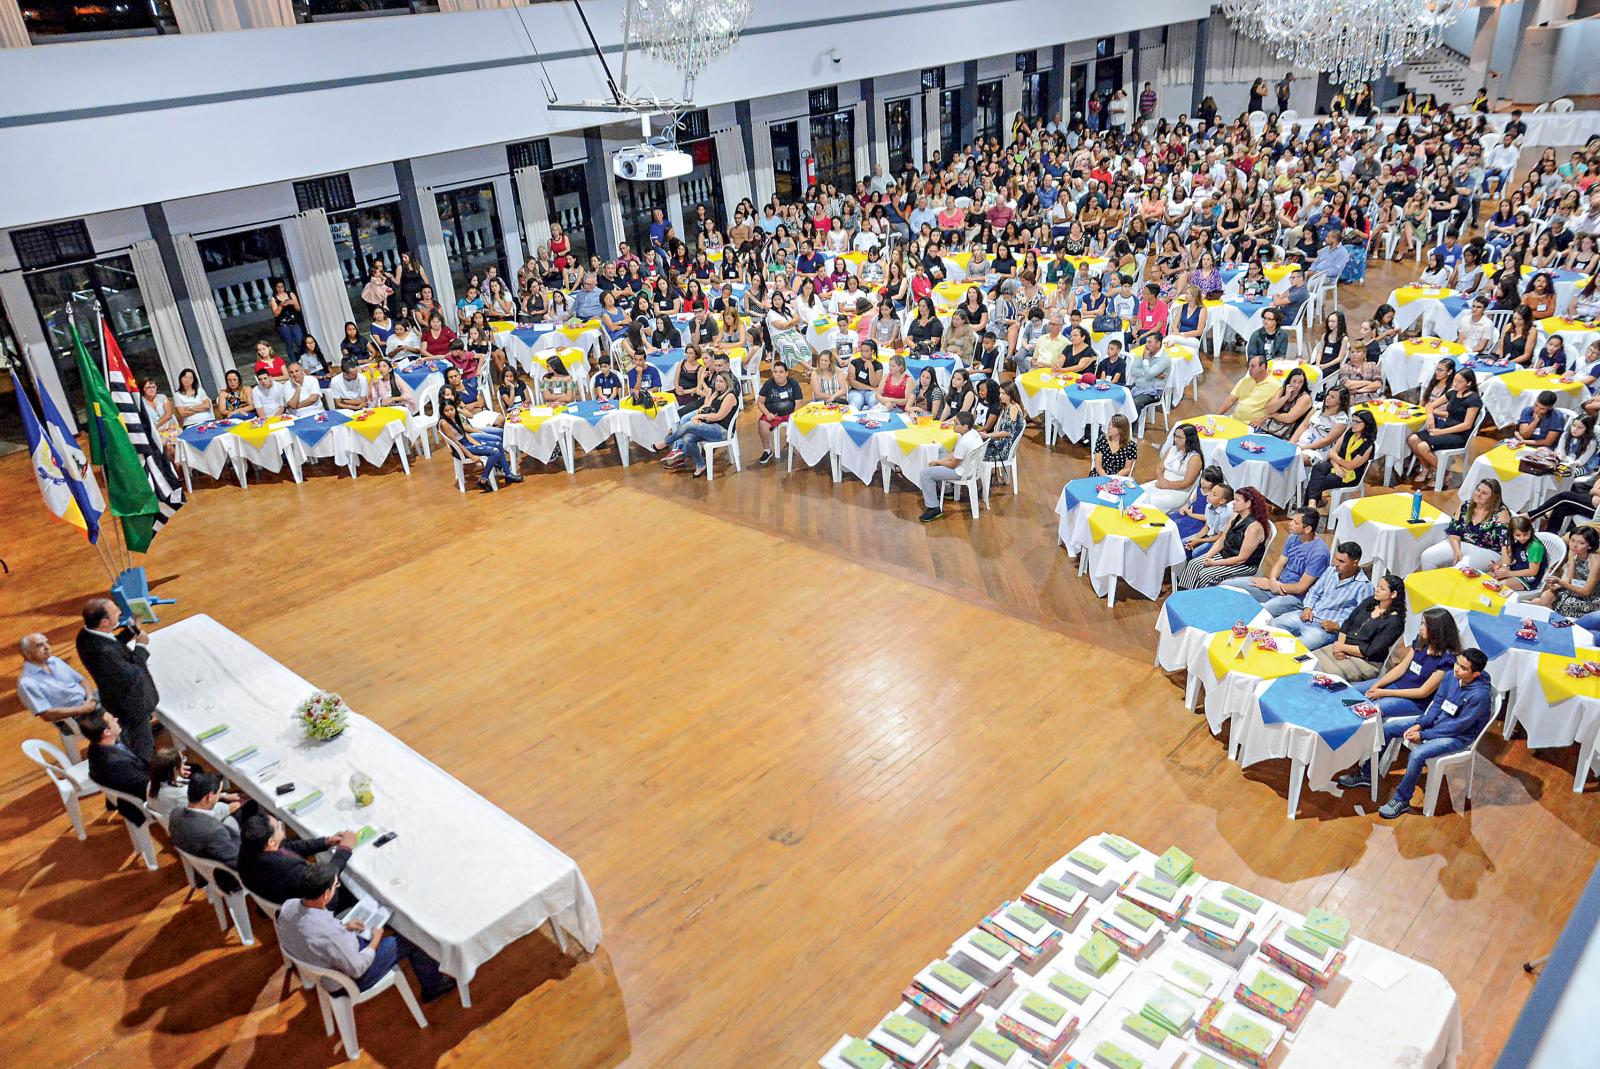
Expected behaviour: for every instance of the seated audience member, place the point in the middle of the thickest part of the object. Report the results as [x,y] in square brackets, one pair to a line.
[1113,367]
[467,439]
[607,384]
[1115,449]
[1478,533]
[1541,423]
[304,395]
[1149,372]
[1286,408]
[273,867]
[1305,557]
[1239,549]
[1461,707]
[1333,597]
[1572,593]
[927,399]
[1522,561]
[1346,461]
[641,375]
[53,691]
[113,765]
[864,376]
[779,397]
[1409,685]
[1181,464]
[711,422]
[309,931]
[1248,399]
[1006,421]
[1269,341]
[828,382]
[557,387]
[267,397]
[1450,420]
[195,829]
[960,464]
[168,790]
[1368,633]
[1214,514]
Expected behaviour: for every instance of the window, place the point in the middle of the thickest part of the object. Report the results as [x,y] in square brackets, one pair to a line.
[833,147]
[824,101]
[331,193]
[566,199]
[989,115]
[360,236]
[1027,62]
[1036,102]
[694,126]
[639,202]
[241,269]
[60,293]
[949,124]
[51,21]
[786,160]
[933,78]
[897,138]
[47,246]
[701,186]
[334,10]
[529,154]
[472,238]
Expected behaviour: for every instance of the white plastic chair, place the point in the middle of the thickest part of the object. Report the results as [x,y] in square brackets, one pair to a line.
[203,873]
[1555,555]
[460,458]
[1561,104]
[342,1010]
[1258,123]
[1009,465]
[1441,769]
[1287,119]
[730,443]
[71,780]
[1297,329]
[272,909]
[971,479]
[1445,458]
[139,833]
[426,419]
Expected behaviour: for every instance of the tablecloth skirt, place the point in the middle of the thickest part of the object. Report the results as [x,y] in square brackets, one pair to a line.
[1175,650]
[212,459]
[1143,569]
[347,443]
[1074,420]
[541,444]
[1504,407]
[1264,742]
[1282,488]
[1519,493]
[649,430]
[1397,547]
[814,446]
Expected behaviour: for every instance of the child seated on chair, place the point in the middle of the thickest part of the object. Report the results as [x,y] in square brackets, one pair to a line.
[1219,507]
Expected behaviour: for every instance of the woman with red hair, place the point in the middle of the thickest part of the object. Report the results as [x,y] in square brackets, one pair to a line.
[1240,549]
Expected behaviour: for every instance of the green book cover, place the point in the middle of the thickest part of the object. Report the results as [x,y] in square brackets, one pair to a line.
[1025,917]
[989,945]
[1243,899]
[1191,979]
[235,758]
[1274,990]
[859,1054]
[1042,1008]
[1098,953]
[212,732]
[307,800]
[1119,846]
[904,1029]
[1307,941]
[1217,912]
[1145,1029]
[994,1044]
[1135,915]
[1206,1061]
[1088,861]
[951,976]
[1071,986]
[1240,1029]
[366,834]
[1175,865]
[1330,927]
[1156,888]
[1168,1010]
[1115,1056]
[1060,888]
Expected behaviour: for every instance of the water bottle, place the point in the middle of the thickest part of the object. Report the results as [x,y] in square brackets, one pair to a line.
[1416,506]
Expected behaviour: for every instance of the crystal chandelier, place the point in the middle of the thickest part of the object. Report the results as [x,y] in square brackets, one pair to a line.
[686,34]
[1353,41]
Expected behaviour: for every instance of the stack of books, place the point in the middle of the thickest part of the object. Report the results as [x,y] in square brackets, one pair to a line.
[1240,1033]
[1329,927]
[988,1049]
[1078,995]
[908,1044]
[986,958]
[1133,928]
[1157,895]
[1056,899]
[1038,1022]
[1273,994]
[1303,954]
[1192,974]
[945,993]
[851,1053]
[1168,1009]
[1097,954]
[1175,866]
[1222,921]
[1033,937]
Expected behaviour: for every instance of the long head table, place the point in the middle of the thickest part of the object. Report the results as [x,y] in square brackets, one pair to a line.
[463,878]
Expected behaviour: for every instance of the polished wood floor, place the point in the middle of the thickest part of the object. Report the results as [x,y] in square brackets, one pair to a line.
[796,740]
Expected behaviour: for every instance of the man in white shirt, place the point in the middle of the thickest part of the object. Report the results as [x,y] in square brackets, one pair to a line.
[1500,161]
[304,395]
[348,388]
[1474,330]
[962,463]
[53,691]
[267,396]
[878,183]
[1589,221]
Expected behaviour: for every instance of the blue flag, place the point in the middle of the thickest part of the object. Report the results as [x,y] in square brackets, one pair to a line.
[58,466]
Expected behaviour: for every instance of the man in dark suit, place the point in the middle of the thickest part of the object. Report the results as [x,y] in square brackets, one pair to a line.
[127,690]
[196,830]
[112,764]
[276,868]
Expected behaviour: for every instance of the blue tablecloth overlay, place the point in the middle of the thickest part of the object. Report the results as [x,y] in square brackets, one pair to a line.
[1453,305]
[1083,492]
[417,373]
[312,429]
[1212,608]
[859,433]
[1557,274]
[1248,307]
[591,411]
[1497,634]
[915,364]
[1276,452]
[1295,700]
[664,362]
[203,434]
[1076,394]
[531,335]
[1231,273]
[1481,368]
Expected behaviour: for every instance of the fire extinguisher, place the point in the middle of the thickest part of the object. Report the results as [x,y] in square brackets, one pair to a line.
[810,167]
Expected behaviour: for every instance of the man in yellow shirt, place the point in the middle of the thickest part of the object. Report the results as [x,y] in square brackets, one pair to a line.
[1248,399]
[1047,349]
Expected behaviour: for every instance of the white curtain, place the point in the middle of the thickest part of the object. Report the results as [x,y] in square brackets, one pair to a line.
[930,123]
[206,16]
[264,14]
[863,157]
[13,31]
[735,172]
[434,251]
[765,185]
[203,303]
[321,279]
[535,212]
[166,326]
[1011,103]
[880,143]
[474,5]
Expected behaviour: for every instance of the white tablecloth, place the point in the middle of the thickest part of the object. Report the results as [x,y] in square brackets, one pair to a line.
[1576,340]
[1143,569]
[1282,488]
[1176,649]
[1436,318]
[464,879]
[1404,371]
[1504,407]
[821,443]
[1073,419]
[1234,695]
[1520,492]
[1397,548]
[553,434]
[212,459]
[350,446]
[1313,758]
[650,431]
[1576,720]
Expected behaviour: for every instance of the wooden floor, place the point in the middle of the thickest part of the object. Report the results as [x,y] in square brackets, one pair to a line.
[796,741]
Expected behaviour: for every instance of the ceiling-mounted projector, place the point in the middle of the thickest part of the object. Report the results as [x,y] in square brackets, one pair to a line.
[651,163]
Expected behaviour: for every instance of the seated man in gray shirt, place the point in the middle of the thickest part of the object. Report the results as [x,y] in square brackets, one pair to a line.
[308,931]
[196,830]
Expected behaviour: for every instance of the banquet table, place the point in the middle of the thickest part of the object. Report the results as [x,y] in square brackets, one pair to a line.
[370,435]
[1039,385]
[1186,366]
[1381,525]
[1397,421]
[1140,548]
[1237,314]
[1506,395]
[205,448]
[1230,682]
[1077,411]
[1452,591]
[1498,637]
[521,343]
[1188,619]
[1558,709]
[1215,434]
[946,295]
[910,448]
[1269,464]
[1080,497]
[536,432]
[1518,489]
[1567,282]
[463,878]
[859,450]
[1408,365]
[1576,333]
[1426,303]
[592,423]
[815,432]
[650,427]
[1314,728]
[575,360]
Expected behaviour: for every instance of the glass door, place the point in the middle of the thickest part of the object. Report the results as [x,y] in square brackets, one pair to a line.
[701,187]
[566,201]
[897,117]
[990,114]
[833,148]
[361,236]
[1078,91]
[949,124]
[1036,96]
[786,160]
[240,269]
[70,293]
[472,236]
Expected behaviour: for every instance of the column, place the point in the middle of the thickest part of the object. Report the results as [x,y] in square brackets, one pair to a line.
[1058,82]
[31,339]
[13,31]
[1202,41]
[741,117]
[969,101]
[597,175]
[1483,46]
[155,216]
[873,130]
[510,232]
[410,208]
[1536,51]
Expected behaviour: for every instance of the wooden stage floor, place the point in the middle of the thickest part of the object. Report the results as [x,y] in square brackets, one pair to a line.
[796,741]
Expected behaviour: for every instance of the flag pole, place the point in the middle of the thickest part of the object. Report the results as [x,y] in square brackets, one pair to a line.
[105,370]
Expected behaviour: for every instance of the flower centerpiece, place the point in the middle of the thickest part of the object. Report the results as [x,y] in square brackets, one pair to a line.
[322,716]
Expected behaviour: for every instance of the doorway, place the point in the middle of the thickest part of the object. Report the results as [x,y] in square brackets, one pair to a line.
[786,160]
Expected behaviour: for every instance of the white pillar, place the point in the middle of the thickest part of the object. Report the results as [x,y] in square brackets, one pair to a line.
[1483,46]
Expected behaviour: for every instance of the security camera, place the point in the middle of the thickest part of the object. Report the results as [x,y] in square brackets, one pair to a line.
[835,55]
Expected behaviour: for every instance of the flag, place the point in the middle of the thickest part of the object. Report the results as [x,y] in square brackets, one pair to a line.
[128,489]
[73,461]
[63,494]
[141,429]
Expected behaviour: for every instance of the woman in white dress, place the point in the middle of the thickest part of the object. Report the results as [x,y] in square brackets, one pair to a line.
[1181,462]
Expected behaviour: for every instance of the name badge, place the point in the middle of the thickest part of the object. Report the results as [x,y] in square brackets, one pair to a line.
[1416,668]
[1449,707]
